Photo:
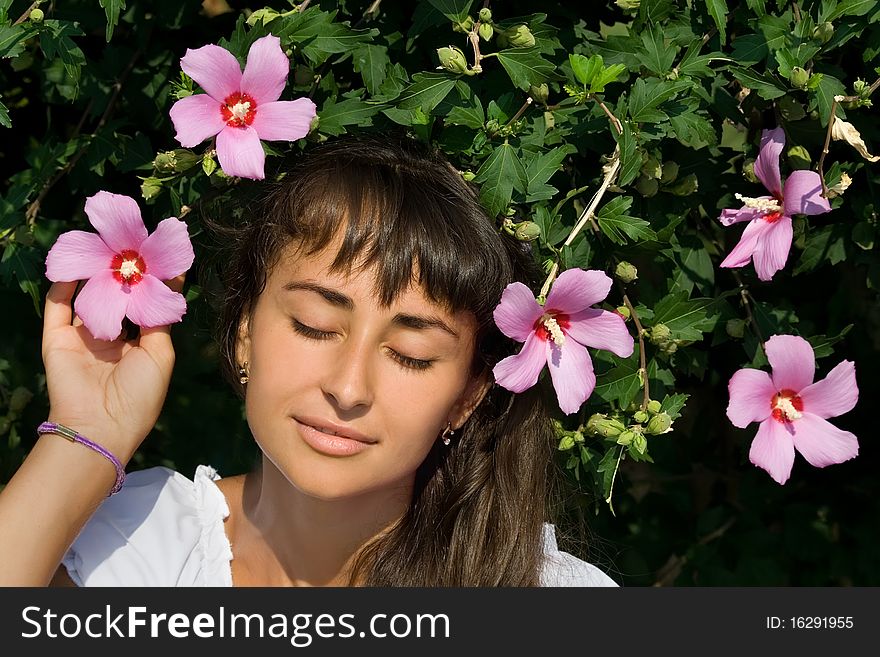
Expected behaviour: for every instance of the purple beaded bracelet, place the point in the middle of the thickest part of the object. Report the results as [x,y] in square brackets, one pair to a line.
[74,437]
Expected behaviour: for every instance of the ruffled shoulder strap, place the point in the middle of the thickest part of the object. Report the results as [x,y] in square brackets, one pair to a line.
[564,569]
[161,529]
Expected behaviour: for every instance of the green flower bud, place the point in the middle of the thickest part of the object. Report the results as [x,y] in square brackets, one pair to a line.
[566,443]
[628,5]
[660,423]
[36,15]
[150,188]
[651,167]
[485,14]
[626,271]
[749,171]
[540,92]
[485,31]
[165,162]
[452,59]
[604,426]
[686,186]
[209,164]
[465,26]
[823,32]
[654,406]
[468,175]
[527,231]
[659,333]
[799,77]
[735,328]
[640,416]
[19,399]
[646,186]
[860,87]
[520,37]
[640,443]
[623,311]
[798,157]
[668,172]
[626,437]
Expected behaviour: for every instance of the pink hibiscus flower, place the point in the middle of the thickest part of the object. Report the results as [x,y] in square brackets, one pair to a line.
[792,410]
[558,334]
[240,108]
[123,266]
[767,238]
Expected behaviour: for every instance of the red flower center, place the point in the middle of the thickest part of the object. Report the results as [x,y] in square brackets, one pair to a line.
[238,110]
[786,405]
[128,267]
[541,329]
[772,217]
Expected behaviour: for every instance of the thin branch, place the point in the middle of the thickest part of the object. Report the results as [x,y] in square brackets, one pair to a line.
[515,118]
[34,207]
[613,479]
[643,364]
[474,38]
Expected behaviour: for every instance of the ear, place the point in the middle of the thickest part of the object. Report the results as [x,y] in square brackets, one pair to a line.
[243,341]
[473,394]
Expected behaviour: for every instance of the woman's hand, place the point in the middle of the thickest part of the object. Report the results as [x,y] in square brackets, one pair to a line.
[110,392]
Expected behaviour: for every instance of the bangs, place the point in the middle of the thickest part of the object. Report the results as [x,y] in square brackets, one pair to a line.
[409,225]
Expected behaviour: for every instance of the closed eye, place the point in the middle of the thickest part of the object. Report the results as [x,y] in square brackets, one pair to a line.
[309,332]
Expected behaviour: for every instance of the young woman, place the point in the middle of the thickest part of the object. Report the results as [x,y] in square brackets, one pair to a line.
[357,326]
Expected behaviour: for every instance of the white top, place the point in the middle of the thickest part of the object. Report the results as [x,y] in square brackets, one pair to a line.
[162,529]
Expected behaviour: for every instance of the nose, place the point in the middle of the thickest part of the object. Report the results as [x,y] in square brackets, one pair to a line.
[348,378]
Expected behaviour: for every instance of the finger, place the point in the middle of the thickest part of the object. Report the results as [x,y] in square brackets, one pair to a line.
[58,312]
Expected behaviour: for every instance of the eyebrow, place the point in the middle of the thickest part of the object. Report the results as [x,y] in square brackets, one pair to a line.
[336,298]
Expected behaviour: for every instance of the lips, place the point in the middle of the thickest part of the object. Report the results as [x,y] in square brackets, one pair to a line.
[334,429]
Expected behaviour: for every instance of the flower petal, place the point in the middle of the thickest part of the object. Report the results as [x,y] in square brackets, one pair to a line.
[520,372]
[821,443]
[751,393]
[77,256]
[196,118]
[101,305]
[767,162]
[517,312]
[803,194]
[576,290]
[168,252]
[118,219]
[773,450]
[240,152]
[748,243]
[792,360]
[834,395]
[572,372]
[601,329]
[215,69]
[730,217]
[286,120]
[152,303]
[265,73]
[773,247]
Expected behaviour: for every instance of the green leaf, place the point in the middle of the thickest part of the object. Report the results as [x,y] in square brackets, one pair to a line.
[647,96]
[828,88]
[471,116]
[319,36]
[852,8]
[749,49]
[695,64]
[694,267]
[541,169]
[454,10]
[718,11]
[4,116]
[426,91]
[24,264]
[822,343]
[656,55]
[765,86]
[525,66]
[757,7]
[620,385]
[693,130]
[370,61]
[585,69]
[606,76]
[333,117]
[499,174]
[672,405]
[687,319]
[630,158]
[827,243]
[12,38]
[618,225]
[112,9]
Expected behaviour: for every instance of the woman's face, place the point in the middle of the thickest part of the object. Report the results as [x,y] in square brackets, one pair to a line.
[325,358]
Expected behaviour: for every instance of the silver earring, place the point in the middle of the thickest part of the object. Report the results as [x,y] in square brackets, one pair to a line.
[447,434]
[243,373]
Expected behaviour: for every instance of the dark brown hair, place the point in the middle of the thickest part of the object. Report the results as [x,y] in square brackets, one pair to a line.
[478,505]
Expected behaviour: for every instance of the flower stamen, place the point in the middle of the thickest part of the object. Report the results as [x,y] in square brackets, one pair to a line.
[238,110]
[551,327]
[787,406]
[128,267]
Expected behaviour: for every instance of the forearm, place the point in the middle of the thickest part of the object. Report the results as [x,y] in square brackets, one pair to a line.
[45,505]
